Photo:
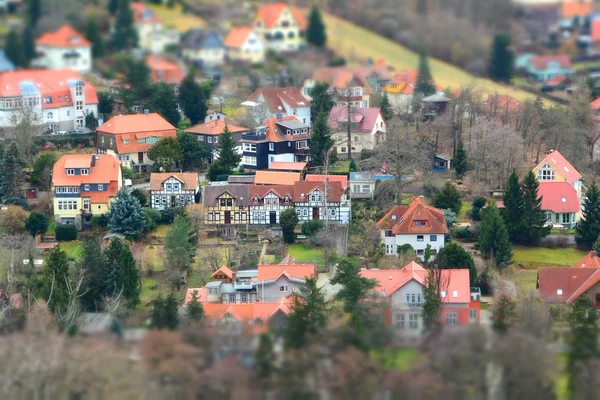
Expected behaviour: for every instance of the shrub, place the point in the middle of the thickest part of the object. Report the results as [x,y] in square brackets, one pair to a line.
[337,62]
[128,173]
[16,201]
[555,242]
[309,228]
[36,223]
[479,202]
[168,216]
[152,217]
[476,214]
[484,282]
[99,221]
[365,154]
[65,232]
[404,248]
[184,124]
[429,190]
[464,233]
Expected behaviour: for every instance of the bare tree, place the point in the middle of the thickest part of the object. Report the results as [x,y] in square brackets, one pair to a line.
[24,127]
[213,258]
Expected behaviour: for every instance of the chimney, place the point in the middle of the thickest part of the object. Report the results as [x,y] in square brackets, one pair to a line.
[93,160]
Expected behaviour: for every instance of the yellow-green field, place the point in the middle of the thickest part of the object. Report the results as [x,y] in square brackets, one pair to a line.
[351,40]
[175,18]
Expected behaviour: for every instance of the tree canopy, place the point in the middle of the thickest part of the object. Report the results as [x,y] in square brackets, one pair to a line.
[588,228]
[125,35]
[166,153]
[307,314]
[424,84]
[288,220]
[194,98]
[93,34]
[321,140]
[315,32]
[125,215]
[163,102]
[228,156]
[448,198]
[322,101]
[493,237]
[193,153]
[501,62]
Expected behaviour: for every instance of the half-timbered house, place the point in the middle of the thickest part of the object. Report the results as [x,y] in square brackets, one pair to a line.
[321,200]
[226,204]
[268,201]
[173,189]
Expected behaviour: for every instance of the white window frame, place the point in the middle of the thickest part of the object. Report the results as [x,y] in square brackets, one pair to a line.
[100,187]
[70,171]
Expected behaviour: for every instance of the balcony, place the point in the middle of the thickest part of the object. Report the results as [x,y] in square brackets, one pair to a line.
[253,137]
[245,284]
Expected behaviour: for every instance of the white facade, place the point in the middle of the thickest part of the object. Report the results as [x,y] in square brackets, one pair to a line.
[172,195]
[154,38]
[54,58]
[268,212]
[315,208]
[302,113]
[418,241]
[406,308]
[211,57]
[252,50]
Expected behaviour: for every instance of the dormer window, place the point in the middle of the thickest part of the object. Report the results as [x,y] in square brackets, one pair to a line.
[546,173]
[255,199]
[286,200]
[393,217]
[70,171]
[85,171]
[420,223]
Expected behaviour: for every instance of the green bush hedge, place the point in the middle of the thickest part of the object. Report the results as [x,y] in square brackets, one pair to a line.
[65,232]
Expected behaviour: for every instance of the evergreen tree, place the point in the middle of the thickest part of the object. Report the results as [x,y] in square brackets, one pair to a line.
[93,264]
[264,357]
[386,108]
[140,195]
[321,140]
[12,172]
[125,36]
[113,6]
[195,311]
[93,34]
[322,101]
[460,160]
[105,104]
[501,63]
[315,32]
[34,12]
[112,285]
[454,256]
[28,43]
[493,237]
[228,156]
[166,153]
[192,151]
[13,48]
[91,121]
[123,271]
[352,167]
[164,314]
[163,102]
[56,280]
[36,223]
[582,341]
[503,313]
[534,218]
[588,228]
[194,98]
[432,300]
[596,246]
[288,220]
[514,206]
[180,249]
[307,314]
[125,215]
[424,83]
[448,198]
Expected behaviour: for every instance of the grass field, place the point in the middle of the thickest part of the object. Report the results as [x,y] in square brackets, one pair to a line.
[351,40]
[399,361]
[301,252]
[175,18]
[535,257]
[73,249]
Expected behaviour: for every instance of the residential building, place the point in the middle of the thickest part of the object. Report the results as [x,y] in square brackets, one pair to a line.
[166,71]
[282,102]
[342,179]
[59,99]
[403,289]
[561,204]
[287,166]
[226,204]
[576,8]
[346,85]
[152,36]
[173,189]
[65,48]
[400,90]
[84,185]
[267,202]
[543,68]
[280,27]
[208,134]
[244,45]
[130,137]
[565,285]
[204,48]
[285,139]
[442,163]
[362,185]
[322,201]
[367,128]
[276,178]
[417,224]
[555,168]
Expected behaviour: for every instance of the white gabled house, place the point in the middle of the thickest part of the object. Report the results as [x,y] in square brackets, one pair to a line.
[173,189]
[267,202]
[322,201]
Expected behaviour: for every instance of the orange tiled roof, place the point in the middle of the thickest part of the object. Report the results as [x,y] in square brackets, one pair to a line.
[224,270]
[269,14]
[274,134]
[135,123]
[106,171]
[565,285]
[272,272]
[65,36]
[246,312]
[572,8]
[287,166]
[341,77]
[164,70]
[590,260]
[143,14]
[403,219]
[595,105]
[237,36]
[276,178]
[275,97]
[214,127]
[343,179]
[189,179]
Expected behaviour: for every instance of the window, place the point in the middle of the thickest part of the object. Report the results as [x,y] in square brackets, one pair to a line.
[546,173]
[79,105]
[86,204]
[251,147]
[67,205]
[85,171]
[420,238]
[472,314]
[566,218]
[283,288]
[243,216]
[236,216]
[420,223]
[86,188]
[450,318]
[301,144]
[433,238]
[223,203]
[70,171]
[217,216]
[294,111]
[248,160]
[210,216]
[420,252]
[201,138]
[79,89]
[100,187]
[271,146]
[125,141]
[400,321]
[366,188]
[68,113]
[413,321]
[48,100]
[356,138]
[67,99]
[286,200]
[244,297]
[232,298]
[229,202]
[209,139]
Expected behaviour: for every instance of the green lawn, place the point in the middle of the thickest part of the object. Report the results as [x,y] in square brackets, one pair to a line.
[174,17]
[161,231]
[524,279]
[147,293]
[301,252]
[73,249]
[535,257]
[464,208]
[51,226]
[399,361]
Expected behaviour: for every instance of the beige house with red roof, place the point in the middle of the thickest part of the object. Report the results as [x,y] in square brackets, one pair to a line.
[83,186]
[244,45]
[281,27]
[283,102]
[368,128]
[59,99]
[152,36]
[417,224]
[130,137]
[65,48]
[165,70]
[173,189]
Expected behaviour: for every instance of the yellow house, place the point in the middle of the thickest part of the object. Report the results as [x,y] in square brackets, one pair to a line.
[555,168]
[84,185]
[280,27]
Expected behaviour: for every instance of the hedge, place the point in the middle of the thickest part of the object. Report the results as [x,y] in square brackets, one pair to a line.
[66,232]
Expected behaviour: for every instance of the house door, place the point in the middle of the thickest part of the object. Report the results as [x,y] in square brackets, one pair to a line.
[227,217]
[172,201]
[140,158]
[315,213]
[273,218]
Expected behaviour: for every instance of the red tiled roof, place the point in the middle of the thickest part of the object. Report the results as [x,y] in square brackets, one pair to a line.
[106,171]
[541,62]
[143,14]
[136,123]
[215,127]
[287,166]
[269,14]
[557,80]
[245,312]
[334,193]
[342,179]
[276,178]
[341,77]
[272,272]
[365,117]
[189,179]
[564,285]
[590,260]
[406,223]
[164,70]
[595,105]
[275,97]
[562,166]
[558,197]
[65,36]
[572,8]
[225,270]
[201,293]
[274,133]
[237,36]
[260,191]
[55,84]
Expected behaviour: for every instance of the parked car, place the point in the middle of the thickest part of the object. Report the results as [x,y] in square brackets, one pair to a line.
[76,132]
[60,133]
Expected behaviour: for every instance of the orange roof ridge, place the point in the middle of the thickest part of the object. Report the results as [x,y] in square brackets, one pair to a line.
[65,36]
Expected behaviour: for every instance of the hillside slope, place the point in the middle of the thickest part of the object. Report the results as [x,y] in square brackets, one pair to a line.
[353,41]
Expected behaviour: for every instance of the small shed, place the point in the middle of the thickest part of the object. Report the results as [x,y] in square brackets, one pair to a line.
[441,162]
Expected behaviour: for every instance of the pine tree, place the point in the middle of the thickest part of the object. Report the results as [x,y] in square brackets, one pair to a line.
[448,198]
[112,285]
[13,49]
[460,160]
[321,140]
[493,237]
[164,313]
[352,167]
[28,42]
[386,107]
[588,228]
[307,315]
[501,60]
[12,172]
[125,36]
[180,248]
[322,101]
[34,12]
[125,215]
[454,256]
[514,206]
[129,277]
[582,341]
[93,264]
[93,34]
[596,246]
[432,300]
[194,154]
[264,357]
[113,6]
[56,280]
[164,103]
[534,218]
[424,84]
[315,32]
[195,311]
[228,156]
[193,98]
